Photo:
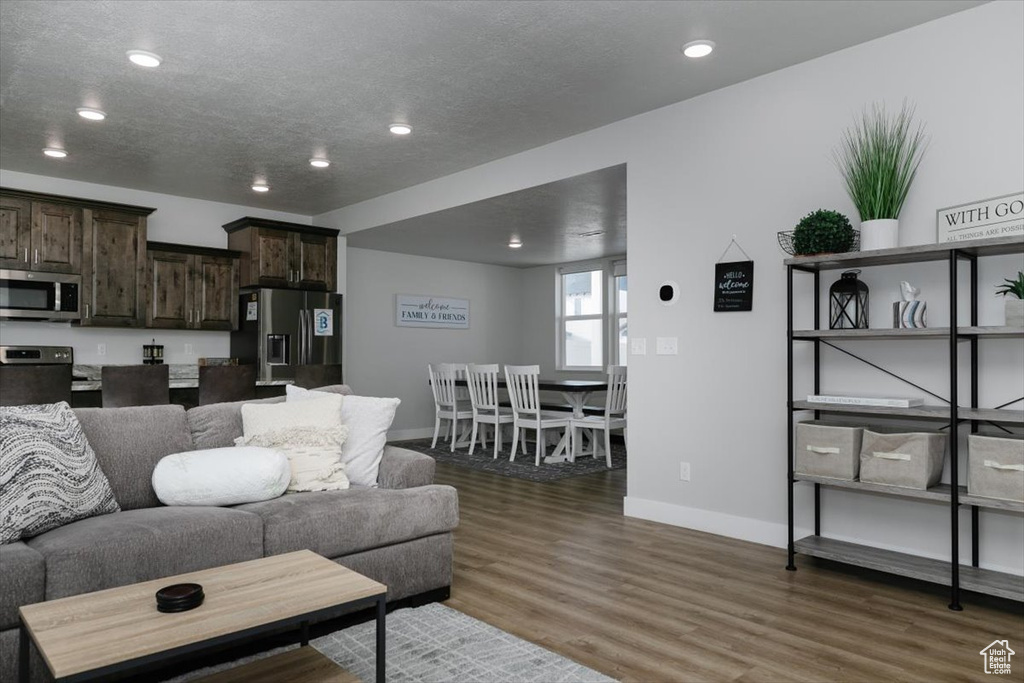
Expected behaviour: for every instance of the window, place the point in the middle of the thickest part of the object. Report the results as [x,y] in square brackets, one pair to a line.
[592,315]
[583,319]
[621,324]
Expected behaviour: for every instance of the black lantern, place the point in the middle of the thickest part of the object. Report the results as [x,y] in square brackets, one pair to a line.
[848,303]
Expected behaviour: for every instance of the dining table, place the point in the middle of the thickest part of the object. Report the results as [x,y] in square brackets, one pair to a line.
[576,393]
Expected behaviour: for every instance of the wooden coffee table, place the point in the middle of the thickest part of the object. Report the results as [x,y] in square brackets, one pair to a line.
[115,631]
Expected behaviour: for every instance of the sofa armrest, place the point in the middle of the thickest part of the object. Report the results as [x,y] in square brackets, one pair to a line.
[401,468]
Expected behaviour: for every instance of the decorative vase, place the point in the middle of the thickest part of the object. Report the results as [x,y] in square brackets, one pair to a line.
[1014,312]
[881,233]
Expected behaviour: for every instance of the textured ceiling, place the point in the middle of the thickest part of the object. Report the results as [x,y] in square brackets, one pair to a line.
[552,220]
[252,90]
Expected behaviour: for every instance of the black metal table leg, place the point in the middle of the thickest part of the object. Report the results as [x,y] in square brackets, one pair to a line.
[23,652]
[381,616]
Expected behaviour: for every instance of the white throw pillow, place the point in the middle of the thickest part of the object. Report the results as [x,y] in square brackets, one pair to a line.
[258,418]
[221,476]
[368,419]
[314,454]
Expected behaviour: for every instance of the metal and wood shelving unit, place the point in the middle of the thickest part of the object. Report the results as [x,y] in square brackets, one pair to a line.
[946,572]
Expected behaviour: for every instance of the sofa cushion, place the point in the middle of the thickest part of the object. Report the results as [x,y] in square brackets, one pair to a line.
[139,545]
[23,582]
[338,523]
[218,425]
[129,442]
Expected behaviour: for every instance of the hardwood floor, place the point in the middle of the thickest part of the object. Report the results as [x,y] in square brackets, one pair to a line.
[558,564]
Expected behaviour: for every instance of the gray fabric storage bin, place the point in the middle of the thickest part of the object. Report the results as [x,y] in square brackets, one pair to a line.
[995,467]
[827,450]
[900,458]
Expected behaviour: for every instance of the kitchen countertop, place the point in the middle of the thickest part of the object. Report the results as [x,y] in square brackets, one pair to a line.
[182,376]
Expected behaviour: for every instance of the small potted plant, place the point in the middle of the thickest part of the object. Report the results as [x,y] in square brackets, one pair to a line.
[823,232]
[1013,291]
[878,159]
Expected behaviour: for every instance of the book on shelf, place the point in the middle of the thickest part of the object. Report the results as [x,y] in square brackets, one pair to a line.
[878,402]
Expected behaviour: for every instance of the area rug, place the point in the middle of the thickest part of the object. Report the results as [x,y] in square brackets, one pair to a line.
[437,644]
[523,467]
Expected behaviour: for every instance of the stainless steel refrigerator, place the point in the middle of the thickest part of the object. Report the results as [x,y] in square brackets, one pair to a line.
[280,329]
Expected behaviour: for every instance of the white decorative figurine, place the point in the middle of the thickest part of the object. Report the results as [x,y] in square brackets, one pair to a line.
[909,313]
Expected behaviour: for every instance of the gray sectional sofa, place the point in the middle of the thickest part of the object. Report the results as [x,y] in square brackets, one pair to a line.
[399,533]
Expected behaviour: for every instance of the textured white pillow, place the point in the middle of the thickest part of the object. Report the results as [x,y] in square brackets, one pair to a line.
[368,419]
[314,454]
[258,418]
[221,476]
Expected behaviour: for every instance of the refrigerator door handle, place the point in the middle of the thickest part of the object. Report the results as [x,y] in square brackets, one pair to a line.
[302,337]
[309,337]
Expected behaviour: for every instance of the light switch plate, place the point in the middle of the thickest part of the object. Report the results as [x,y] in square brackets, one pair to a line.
[638,346]
[668,346]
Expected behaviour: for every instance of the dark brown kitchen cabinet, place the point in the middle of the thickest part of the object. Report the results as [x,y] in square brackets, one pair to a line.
[191,288]
[114,269]
[104,242]
[15,232]
[40,235]
[285,255]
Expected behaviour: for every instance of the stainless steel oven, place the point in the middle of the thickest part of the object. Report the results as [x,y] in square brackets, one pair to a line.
[29,295]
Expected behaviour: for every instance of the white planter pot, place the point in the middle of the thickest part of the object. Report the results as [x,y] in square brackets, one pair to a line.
[883,233]
[1014,312]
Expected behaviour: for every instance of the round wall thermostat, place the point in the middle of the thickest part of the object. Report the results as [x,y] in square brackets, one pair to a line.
[668,293]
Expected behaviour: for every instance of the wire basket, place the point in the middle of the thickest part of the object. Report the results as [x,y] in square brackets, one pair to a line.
[786,242]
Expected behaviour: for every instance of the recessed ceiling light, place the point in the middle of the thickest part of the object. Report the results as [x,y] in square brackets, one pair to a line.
[515,243]
[143,58]
[260,187]
[91,114]
[400,128]
[319,163]
[698,48]
[55,152]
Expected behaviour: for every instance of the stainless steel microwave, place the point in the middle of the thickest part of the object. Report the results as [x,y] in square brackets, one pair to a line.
[30,295]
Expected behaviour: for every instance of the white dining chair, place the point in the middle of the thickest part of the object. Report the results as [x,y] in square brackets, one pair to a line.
[483,395]
[521,382]
[614,415]
[446,403]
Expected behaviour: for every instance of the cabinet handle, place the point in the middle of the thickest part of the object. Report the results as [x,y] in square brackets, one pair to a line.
[37,256]
[26,254]
[87,310]
[190,316]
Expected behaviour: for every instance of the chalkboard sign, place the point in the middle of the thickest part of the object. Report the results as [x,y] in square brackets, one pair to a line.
[734,286]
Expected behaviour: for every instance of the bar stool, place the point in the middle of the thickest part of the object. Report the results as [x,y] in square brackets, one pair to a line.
[32,384]
[135,385]
[225,383]
[313,376]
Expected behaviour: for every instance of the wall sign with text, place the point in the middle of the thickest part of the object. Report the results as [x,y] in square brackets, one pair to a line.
[996,217]
[431,311]
[734,286]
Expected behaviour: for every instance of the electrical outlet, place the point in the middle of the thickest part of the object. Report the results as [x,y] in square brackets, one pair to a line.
[101,349]
[638,346]
[684,471]
[189,350]
[668,346]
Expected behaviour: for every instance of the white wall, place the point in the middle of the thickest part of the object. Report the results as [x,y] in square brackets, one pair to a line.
[752,159]
[386,360]
[178,220]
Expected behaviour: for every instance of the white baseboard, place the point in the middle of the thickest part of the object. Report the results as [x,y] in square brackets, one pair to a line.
[721,523]
[758,531]
[406,434]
